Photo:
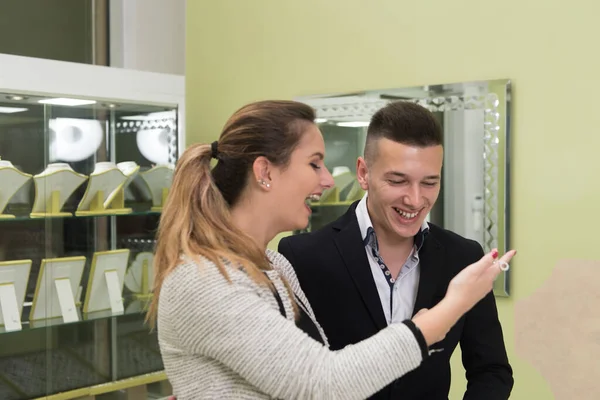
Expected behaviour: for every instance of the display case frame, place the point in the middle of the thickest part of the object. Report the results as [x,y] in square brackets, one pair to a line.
[112,333]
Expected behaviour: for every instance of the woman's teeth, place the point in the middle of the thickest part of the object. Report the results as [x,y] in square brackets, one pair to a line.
[406,214]
[314,197]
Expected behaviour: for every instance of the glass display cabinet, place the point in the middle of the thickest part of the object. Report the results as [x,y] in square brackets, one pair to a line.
[475,120]
[86,160]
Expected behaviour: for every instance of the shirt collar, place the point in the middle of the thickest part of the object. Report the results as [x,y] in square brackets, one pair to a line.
[364,223]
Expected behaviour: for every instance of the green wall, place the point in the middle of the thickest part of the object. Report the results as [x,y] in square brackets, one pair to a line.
[240,51]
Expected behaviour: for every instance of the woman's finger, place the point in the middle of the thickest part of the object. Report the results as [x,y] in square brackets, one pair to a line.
[484,263]
[501,265]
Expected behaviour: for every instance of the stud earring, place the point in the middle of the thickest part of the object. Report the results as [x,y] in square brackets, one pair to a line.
[264,183]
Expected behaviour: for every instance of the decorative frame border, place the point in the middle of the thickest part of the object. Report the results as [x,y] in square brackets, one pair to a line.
[170,124]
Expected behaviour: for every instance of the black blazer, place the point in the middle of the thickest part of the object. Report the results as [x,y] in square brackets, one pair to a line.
[334,272]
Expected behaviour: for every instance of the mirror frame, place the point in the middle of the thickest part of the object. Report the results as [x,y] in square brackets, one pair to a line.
[494,97]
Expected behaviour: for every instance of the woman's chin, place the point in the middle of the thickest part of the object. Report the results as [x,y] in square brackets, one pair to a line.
[298,225]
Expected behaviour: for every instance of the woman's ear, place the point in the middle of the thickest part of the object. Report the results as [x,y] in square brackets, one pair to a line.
[261,170]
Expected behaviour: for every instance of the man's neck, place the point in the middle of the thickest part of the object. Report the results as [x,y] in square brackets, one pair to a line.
[388,240]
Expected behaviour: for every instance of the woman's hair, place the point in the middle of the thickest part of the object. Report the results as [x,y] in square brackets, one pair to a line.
[196,219]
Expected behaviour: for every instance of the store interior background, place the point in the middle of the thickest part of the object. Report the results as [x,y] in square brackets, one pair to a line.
[237,52]
[234,52]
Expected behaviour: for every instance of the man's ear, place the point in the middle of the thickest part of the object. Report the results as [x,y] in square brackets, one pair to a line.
[362,173]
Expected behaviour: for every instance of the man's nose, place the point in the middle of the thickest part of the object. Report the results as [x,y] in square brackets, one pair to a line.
[413,196]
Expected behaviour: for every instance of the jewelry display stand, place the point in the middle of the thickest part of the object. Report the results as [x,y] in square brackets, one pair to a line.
[79,324]
[13,284]
[342,178]
[52,189]
[139,278]
[11,181]
[57,285]
[130,169]
[105,285]
[159,180]
[103,186]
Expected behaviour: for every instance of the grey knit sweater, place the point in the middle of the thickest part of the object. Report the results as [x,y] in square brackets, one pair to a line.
[222,340]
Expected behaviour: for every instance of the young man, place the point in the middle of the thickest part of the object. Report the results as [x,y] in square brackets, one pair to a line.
[381,262]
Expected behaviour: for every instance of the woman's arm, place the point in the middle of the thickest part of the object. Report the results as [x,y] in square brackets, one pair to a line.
[232,324]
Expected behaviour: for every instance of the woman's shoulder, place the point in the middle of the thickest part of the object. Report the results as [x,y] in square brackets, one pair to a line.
[203,273]
[278,259]
[285,268]
[280,263]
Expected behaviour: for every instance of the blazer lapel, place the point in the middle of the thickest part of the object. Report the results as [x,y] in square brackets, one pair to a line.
[349,244]
[431,260]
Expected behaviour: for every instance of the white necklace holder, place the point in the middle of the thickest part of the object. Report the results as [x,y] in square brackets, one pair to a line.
[159,180]
[52,189]
[104,184]
[56,289]
[130,169]
[139,278]
[105,284]
[11,181]
[13,284]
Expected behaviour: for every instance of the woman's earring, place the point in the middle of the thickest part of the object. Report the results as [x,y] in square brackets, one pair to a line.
[264,183]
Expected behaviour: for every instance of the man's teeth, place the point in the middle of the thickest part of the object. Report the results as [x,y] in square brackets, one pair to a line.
[405,214]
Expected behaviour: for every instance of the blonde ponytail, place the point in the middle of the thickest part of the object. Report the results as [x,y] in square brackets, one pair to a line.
[196,219]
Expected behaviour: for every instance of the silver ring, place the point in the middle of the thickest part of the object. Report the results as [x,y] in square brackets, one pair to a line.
[503,265]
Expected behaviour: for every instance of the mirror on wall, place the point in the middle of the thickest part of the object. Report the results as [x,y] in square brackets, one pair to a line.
[475,116]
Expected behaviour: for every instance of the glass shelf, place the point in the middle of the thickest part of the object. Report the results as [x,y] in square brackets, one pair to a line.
[133,307]
[70,356]
[27,217]
[102,124]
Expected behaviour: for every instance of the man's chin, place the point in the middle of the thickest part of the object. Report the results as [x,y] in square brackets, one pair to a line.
[408,231]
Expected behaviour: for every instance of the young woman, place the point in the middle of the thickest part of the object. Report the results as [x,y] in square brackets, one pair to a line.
[232,319]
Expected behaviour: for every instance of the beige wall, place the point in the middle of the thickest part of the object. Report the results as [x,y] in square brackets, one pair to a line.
[239,51]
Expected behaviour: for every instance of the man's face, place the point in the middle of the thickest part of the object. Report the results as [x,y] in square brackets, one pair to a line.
[403,184]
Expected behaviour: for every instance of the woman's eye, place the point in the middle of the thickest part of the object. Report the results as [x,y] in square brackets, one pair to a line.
[315,166]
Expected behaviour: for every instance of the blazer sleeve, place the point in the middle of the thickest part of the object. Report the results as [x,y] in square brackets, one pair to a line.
[231,323]
[488,372]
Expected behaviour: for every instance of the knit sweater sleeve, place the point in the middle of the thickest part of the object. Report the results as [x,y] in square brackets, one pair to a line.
[231,323]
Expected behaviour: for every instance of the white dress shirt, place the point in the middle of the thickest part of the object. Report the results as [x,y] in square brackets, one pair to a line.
[397,294]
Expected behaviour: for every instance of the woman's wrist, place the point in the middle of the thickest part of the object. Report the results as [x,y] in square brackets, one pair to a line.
[435,323]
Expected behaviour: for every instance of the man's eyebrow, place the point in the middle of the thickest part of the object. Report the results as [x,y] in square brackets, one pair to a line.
[403,175]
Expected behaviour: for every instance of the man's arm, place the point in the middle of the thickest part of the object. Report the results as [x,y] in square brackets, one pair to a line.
[489,374]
